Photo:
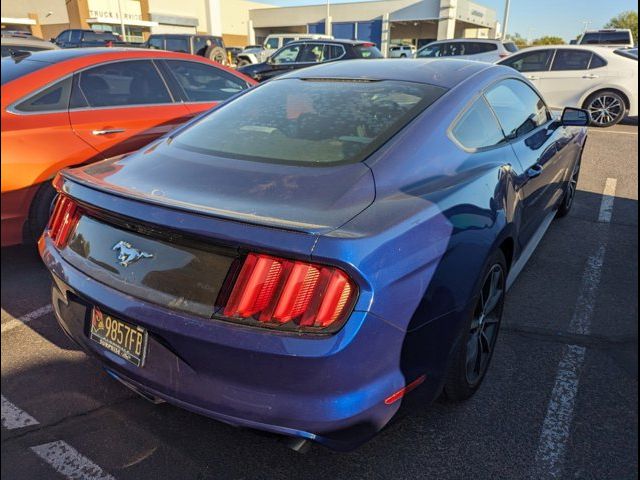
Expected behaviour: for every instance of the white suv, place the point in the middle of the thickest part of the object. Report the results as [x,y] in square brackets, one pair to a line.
[272,43]
[468,48]
[402,51]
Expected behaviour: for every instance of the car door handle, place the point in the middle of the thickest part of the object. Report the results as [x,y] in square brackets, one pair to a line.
[591,75]
[534,171]
[533,77]
[107,132]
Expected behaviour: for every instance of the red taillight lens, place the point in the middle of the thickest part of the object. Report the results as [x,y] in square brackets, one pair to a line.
[302,295]
[504,55]
[63,219]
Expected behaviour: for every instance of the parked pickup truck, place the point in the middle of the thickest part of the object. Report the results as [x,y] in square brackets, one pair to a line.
[79,38]
[207,46]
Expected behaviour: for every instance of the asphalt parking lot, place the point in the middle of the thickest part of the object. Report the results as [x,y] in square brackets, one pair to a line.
[560,400]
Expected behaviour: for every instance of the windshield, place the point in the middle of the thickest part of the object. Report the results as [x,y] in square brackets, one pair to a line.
[13,68]
[310,122]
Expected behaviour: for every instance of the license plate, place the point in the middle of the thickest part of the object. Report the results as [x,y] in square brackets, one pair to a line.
[125,340]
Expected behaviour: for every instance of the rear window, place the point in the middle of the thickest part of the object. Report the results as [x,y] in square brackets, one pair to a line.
[510,47]
[367,51]
[606,38]
[99,37]
[309,122]
[12,69]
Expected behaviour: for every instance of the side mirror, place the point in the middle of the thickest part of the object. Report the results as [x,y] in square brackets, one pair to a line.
[574,117]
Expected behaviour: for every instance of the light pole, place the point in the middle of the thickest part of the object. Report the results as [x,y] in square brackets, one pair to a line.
[124,34]
[505,23]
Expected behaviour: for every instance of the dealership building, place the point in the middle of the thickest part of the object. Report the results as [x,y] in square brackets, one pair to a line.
[47,18]
[242,22]
[381,22]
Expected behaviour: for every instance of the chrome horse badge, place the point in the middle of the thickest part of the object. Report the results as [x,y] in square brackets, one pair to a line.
[127,254]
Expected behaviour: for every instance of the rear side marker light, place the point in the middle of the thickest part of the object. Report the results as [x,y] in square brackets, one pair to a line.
[63,220]
[404,390]
[302,295]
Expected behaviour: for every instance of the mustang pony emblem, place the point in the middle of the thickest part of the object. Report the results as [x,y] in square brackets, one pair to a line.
[128,254]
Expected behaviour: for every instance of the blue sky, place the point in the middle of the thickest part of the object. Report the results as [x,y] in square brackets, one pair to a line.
[536,18]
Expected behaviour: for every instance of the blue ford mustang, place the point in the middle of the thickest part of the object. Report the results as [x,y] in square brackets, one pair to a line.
[302,257]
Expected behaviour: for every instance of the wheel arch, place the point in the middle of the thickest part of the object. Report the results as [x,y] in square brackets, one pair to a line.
[616,89]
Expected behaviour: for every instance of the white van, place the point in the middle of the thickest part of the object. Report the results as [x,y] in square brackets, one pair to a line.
[272,43]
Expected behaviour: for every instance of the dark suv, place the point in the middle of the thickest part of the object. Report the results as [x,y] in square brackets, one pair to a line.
[305,53]
[79,38]
[207,46]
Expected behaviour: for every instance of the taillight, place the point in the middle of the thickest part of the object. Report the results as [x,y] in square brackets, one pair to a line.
[504,55]
[290,294]
[63,219]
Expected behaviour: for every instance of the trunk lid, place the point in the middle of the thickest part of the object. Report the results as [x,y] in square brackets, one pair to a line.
[311,199]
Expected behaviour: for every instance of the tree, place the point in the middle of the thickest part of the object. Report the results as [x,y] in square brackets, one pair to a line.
[517,39]
[628,19]
[548,40]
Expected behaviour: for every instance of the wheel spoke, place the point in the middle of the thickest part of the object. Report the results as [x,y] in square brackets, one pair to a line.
[495,292]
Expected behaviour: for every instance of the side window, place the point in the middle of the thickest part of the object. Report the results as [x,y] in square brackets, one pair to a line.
[53,98]
[204,83]
[332,52]
[271,44]
[519,109]
[287,54]
[201,45]
[566,59]
[63,37]
[76,36]
[122,83]
[478,127]
[311,53]
[177,44]
[286,40]
[597,61]
[480,47]
[431,51]
[156,43]
[537,61]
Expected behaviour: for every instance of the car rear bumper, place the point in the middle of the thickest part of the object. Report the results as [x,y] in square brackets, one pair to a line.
[330,389]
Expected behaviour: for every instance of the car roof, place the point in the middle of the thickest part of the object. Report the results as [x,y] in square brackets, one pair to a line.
[603,49]
[27,41]
[64,54]
[459,40]
[442,72]
[342,41]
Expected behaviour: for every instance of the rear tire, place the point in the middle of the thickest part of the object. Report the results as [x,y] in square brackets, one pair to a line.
[570,191]
[218,54]
[606,108]
[40,211]
[471,357]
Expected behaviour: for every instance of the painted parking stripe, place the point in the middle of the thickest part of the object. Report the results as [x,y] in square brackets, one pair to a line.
[67,461]
[556,427]
[13,417]
[598,130]
[16,322]
[608,197]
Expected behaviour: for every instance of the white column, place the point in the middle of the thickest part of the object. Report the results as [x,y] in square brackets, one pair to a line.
[447,20]
[386,35]
[251,33]
[327,25]
[215,17]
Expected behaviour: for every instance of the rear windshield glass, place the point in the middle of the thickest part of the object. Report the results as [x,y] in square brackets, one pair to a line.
[98,37]
[606,38]
[15,68]
[309,122]
[367,51]
[631,53]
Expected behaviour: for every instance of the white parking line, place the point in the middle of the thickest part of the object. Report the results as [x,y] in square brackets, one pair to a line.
[606,205]
[16,322]
[67,461]
[556,427]
[13,417]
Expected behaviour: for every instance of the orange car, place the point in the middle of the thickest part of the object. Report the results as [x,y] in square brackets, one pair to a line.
[64,108]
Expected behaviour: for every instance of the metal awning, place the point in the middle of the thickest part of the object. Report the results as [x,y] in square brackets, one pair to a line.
[18,21]
[127,21]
